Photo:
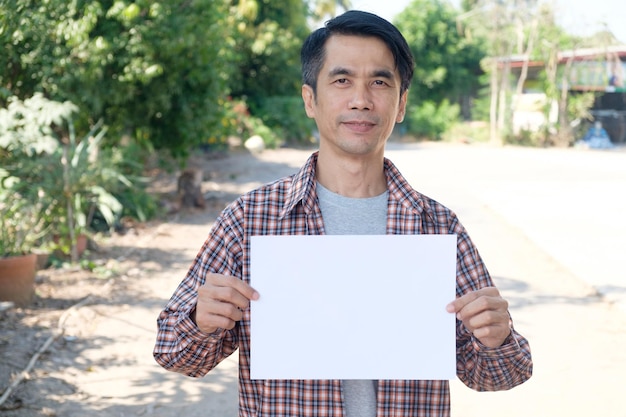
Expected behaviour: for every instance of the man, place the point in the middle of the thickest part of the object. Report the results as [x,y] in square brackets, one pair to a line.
[356,73]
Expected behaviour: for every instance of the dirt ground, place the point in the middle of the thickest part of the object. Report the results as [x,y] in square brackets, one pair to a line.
[52,332]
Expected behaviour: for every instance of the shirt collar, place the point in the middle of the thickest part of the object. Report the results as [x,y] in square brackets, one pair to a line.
[302,189]
[401,191]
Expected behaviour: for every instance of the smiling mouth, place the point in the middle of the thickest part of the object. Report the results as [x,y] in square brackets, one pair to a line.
[359,125]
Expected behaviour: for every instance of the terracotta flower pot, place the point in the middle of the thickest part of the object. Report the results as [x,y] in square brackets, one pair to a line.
[17,279]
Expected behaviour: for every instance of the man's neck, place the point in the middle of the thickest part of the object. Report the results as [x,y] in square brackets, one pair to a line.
[356,177]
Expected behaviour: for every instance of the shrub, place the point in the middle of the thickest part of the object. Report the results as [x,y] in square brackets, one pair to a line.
[46,163]
[286,116]
[429,120]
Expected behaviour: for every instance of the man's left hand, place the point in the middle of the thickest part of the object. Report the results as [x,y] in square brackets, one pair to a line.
[484,313]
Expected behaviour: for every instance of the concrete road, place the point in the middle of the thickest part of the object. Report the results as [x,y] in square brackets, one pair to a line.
[550,225]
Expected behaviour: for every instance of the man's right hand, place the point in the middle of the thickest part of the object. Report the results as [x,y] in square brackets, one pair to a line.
[221,302]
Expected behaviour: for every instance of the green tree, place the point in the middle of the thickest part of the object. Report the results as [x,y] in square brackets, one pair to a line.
[155,71]
[328,8]
[268,42]
[447,63]
[269,37]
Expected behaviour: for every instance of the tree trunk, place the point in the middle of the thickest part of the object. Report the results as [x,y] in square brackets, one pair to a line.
[493,106]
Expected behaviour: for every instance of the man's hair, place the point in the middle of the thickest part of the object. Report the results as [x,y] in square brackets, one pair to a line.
[356,23]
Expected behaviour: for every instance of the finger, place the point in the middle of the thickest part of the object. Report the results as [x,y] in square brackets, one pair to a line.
[222,309]
[490,325]
[210,294]
[212,314]
[484,308]
[492,336]
[458,304]
[209,323]
[485,319]
[233,282]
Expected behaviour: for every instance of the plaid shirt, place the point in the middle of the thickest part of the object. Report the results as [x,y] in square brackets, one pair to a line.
[289,207]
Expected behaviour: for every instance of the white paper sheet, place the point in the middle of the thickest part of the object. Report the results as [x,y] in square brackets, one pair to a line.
[353,307]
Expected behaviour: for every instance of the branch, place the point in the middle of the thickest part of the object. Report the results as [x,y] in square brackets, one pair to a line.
[56,334]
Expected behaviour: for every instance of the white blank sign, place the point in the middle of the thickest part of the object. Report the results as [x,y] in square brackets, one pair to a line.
[353,307]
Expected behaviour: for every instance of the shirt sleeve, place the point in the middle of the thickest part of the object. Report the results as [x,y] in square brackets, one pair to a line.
[180,345]
[480,367]
[492,369]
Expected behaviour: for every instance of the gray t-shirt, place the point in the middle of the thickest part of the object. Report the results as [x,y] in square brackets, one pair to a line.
[355,216]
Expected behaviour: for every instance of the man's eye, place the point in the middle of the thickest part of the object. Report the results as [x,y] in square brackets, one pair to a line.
[341,81]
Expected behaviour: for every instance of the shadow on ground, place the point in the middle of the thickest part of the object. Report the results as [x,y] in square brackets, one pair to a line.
[518,294]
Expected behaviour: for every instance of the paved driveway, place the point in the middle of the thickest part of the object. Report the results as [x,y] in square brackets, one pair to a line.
[550,225]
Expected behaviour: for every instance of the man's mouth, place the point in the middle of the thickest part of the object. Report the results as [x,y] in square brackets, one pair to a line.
[359,125]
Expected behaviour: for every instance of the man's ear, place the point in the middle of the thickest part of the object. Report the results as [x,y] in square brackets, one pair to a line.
[402,107]
[308,96]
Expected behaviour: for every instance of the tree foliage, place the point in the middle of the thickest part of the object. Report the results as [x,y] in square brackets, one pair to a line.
[447,64]
[269,37]
[325,9]
[155,71]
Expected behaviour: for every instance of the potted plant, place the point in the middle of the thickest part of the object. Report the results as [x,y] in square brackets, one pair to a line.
[72,177]
[22,230]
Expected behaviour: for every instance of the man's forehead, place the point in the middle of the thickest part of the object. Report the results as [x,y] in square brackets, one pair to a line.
[343,39]
[344,52]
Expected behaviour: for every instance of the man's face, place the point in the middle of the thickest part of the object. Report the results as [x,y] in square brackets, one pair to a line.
[358,96]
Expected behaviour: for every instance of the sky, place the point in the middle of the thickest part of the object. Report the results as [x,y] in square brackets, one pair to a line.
[576,16]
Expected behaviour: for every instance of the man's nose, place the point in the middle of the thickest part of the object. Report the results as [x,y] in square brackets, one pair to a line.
[361,98]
